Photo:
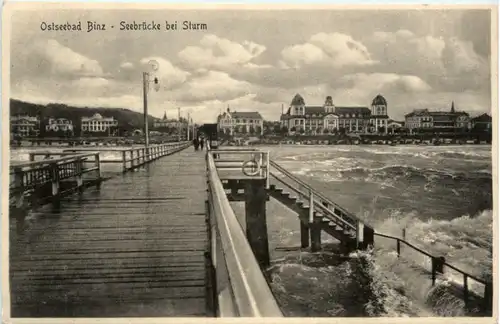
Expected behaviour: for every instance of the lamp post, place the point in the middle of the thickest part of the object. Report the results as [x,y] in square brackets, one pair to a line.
[145,89]
[179,125]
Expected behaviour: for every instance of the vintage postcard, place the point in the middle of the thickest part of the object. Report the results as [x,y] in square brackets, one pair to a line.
[165,163]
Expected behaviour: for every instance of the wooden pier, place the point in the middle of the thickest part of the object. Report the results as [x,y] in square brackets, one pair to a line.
[161,239]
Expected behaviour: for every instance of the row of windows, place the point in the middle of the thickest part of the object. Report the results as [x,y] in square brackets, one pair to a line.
[241,121]
[95,128]
[60,122]
[95,122]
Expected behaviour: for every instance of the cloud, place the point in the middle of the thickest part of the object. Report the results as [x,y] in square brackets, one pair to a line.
[61,60]
[475,26]
[212,85]
[220,53]
[403,51]
[376,82]
[446,64]
[335,50]
[460,57]
[127,65]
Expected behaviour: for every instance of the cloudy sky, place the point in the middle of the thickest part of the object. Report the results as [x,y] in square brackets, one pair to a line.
[258,60]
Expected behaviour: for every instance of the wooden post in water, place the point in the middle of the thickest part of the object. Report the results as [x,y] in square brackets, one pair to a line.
[304,235]
[466,292]
[315,227]
[256,223]
[437,267]
[368,237]
[488,297]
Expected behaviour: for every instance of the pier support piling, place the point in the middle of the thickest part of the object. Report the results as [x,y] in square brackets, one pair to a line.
[304,235]
[368,237]
[256,222]
[315,227]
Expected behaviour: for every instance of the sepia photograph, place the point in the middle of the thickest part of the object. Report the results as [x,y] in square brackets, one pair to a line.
[249,161]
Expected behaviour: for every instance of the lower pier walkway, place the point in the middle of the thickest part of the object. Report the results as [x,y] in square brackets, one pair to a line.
[133,247]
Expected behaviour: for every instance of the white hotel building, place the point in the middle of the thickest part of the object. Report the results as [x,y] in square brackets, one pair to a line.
[98,123]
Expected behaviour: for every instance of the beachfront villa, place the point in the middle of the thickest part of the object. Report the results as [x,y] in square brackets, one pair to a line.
[329,117]
[59,125]
[482,122]
[243,122]
[450,120]
[98,124]
[23,125]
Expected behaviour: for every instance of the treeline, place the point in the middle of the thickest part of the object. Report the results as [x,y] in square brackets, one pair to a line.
[128,120]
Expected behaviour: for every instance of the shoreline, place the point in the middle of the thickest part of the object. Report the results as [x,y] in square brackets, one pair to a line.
[57,147]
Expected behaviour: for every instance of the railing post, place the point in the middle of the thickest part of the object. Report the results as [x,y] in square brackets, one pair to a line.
[79,174]
[398,247]
[267,170]
[360,238]
[124,161]
[311,206]
[256,223]
[132,160]
[97,161]
[54,167]
[19,185]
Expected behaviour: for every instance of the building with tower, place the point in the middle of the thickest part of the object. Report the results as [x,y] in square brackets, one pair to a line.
[330,118]
[441,121]
[240,122]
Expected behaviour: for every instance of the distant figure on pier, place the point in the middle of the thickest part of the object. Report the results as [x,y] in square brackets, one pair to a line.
[201,143]
[196,144]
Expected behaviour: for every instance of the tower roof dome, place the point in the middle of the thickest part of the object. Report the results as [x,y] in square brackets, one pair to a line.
[379,100]
[298,100]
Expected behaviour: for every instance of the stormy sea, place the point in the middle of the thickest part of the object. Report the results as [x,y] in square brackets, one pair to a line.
[441,196]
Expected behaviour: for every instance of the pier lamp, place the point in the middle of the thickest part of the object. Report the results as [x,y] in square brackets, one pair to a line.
[153,65]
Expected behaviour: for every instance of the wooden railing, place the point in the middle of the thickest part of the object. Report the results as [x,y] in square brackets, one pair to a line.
[321,208]
[438,266]
[240,289]
[45,178]
[132,158]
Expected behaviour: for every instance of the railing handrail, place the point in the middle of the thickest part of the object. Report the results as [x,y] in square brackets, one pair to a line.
[48,161]
[314,191]
[331,215]
[127,149]
[482,281]
[251,293]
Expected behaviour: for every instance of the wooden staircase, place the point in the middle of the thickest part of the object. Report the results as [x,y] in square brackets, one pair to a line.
[326,221]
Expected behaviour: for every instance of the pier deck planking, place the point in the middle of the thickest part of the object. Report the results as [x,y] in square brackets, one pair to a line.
[133,247]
